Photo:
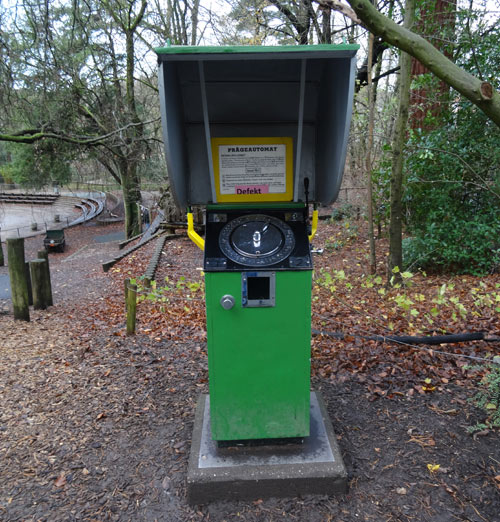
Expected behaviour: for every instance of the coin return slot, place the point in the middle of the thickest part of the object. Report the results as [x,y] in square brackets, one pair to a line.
[258,289]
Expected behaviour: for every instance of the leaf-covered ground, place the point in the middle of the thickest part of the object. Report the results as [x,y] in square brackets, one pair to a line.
[95,425]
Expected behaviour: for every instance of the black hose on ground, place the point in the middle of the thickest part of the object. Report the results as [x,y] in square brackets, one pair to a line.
[408,339]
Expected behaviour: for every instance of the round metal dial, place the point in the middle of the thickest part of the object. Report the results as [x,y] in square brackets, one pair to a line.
[256,240]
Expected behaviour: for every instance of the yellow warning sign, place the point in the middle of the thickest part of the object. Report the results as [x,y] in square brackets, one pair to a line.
[253,169]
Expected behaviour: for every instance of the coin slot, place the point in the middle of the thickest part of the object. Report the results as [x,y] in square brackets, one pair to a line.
[258,289]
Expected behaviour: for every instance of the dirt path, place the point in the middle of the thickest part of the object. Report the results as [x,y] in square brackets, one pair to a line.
[96,426]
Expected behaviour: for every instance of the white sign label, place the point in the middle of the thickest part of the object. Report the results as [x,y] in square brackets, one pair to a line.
[252,169]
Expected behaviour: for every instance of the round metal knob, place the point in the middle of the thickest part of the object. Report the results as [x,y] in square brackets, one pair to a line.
[227,302]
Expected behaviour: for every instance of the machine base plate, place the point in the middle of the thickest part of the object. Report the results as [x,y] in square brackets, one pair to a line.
[251,472]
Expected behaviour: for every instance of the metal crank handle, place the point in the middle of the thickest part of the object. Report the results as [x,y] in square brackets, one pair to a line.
[227,302]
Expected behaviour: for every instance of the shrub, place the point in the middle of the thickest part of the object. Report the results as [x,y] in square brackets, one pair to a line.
[453,196]
[346,210]
[488,397]
[451,243]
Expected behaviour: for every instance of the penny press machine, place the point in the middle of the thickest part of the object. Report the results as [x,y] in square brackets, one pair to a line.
[256,135]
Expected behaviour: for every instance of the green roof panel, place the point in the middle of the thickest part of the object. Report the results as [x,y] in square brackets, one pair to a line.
[247,49]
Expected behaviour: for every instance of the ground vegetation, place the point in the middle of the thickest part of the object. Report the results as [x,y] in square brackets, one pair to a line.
[96,424]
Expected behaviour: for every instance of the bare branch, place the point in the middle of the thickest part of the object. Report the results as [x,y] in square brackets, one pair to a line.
[341,8]
[33,135]
[480,93]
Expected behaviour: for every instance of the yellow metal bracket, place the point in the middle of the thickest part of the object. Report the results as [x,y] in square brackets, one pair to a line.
[192,234]
[200,242]
[314,226]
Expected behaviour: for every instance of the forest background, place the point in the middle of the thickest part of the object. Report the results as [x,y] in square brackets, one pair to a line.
[78,88]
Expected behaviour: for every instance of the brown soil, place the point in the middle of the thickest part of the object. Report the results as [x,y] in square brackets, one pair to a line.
[96,426]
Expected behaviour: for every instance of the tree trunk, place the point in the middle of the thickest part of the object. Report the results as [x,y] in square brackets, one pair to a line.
[18,279]
[327,25]
[131,198]
[379,216]
[194,22]
[396,220]
[369,146]
[128,156]
[437,21]
[130,180]
[299,18]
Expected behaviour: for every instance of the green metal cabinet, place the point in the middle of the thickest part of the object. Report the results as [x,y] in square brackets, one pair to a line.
[259,359]
[249,99]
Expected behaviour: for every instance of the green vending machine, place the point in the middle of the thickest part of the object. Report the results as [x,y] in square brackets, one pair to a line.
[258,294]
[255,135]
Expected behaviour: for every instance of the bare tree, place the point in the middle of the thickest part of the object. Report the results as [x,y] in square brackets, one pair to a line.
[400,136]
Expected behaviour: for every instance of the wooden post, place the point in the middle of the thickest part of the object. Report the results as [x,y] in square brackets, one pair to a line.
[1,251]
[28,280]
[126,282]
[38,275]
[131,308]
[43,254]
[139,217]
[18,280]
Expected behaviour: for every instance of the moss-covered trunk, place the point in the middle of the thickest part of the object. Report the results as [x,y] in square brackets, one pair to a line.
[128,17]
[400,136]
[131,198]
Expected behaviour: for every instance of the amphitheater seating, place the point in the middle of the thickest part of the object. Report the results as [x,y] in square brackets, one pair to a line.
[35,199]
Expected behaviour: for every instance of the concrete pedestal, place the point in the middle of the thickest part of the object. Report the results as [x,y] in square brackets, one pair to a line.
[262,471]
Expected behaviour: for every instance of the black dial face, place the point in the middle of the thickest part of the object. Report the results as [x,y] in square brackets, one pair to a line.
[256,240]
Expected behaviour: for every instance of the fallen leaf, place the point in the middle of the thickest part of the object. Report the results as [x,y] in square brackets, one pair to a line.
[61,480]
[433,467]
